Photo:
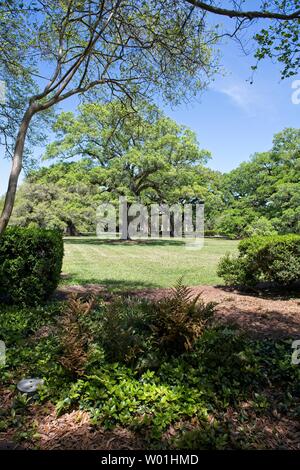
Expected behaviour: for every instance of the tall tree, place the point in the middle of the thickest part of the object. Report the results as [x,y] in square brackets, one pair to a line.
[140,154]
[54,49]
[62,48]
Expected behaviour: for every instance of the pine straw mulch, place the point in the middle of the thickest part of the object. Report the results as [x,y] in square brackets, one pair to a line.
[74,431]
[47,431]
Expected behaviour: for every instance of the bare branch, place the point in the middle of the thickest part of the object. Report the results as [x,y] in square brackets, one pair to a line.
[250,15]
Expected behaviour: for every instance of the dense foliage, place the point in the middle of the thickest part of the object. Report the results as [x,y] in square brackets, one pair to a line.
[280,40]
[264,259]
[138,153]
[149,158]
[139,333]
[263,195]
[63,197]
[141,154]
[30,264]
[192,400]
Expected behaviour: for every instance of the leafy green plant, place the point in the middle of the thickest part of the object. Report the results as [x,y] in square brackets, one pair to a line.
[274,259]
[125,330]
[139,331]
[224,370]
[207,437]
[30,264]
[18,325]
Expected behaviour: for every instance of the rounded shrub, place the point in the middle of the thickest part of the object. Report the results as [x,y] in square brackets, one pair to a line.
[260,227]
[30,264]
[273,259]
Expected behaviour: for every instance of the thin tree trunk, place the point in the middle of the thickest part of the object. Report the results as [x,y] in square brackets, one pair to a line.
[16,169]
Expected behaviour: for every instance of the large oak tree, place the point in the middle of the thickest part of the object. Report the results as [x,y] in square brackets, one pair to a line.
[113,151]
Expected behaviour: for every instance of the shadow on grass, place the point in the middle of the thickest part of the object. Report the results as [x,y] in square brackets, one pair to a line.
[111,285]
[117,242]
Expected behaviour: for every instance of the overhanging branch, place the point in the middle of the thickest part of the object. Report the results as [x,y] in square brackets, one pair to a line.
[250,15]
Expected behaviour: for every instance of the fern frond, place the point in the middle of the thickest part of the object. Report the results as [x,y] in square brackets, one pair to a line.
[181,293]
[73,339]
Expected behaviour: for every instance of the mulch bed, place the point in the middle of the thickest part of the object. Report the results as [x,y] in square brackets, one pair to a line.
[260,316]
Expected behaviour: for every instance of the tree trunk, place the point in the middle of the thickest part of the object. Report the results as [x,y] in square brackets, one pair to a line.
[71,230]
[16,169]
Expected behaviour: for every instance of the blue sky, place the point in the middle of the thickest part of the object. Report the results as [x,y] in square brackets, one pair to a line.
[233,119]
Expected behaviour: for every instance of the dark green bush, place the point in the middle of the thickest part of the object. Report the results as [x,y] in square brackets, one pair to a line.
[273,259]
[30,264]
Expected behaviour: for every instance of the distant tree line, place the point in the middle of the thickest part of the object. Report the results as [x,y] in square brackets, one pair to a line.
[110,150]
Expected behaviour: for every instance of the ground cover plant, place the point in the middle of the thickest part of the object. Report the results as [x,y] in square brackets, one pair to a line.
[225,390]
[123,360]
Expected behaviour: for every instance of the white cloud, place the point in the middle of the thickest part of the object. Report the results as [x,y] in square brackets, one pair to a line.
[245,96]
[240,95]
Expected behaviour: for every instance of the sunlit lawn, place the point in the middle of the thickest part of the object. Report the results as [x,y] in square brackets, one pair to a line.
[152,263]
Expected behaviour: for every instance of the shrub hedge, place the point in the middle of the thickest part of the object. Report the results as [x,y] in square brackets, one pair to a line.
[30,264]
[274,258]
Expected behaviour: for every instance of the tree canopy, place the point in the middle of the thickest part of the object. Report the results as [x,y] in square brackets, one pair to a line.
[53,50]
[61,197]
[122,49]
[266,187]
[141,154]
[277,38]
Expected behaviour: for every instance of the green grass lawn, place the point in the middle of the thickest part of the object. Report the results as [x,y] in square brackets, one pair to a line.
[134,265]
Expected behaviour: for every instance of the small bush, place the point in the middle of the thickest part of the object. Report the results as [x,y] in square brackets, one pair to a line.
[30,264]
[263,259]
[231,268]
[260,227]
